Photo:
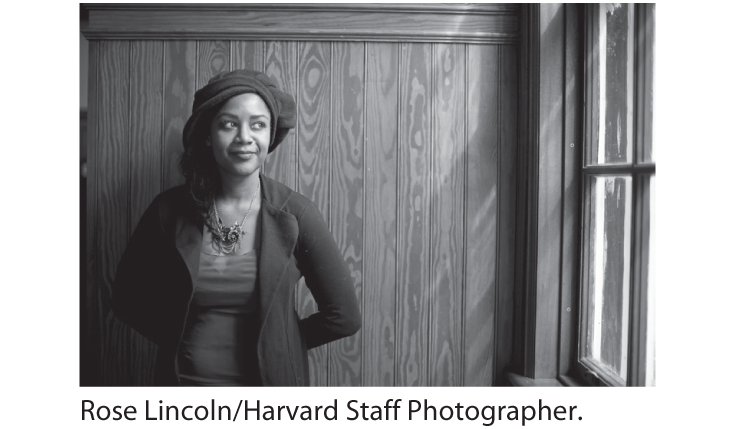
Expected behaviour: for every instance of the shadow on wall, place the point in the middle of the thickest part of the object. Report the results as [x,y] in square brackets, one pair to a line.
[86,371]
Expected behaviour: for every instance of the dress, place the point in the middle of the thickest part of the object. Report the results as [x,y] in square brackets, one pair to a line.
[153,286]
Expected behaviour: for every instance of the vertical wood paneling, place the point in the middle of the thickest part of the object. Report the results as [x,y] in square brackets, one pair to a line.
[179,77]
[381,136]
[112,192]
[146,133]
[482,213]
[248,54]
[508,161]
[314,161]
[347,191]
[550,206]
[91,358]
[146,125]
[447,213]
[413,229]
[281,66]
[525,267]
[408,150]
[213,57]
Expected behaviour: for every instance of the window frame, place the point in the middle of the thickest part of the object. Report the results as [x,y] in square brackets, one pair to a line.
[641,173]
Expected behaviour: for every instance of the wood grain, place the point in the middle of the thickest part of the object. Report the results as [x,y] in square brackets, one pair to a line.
[146,145]
[113,195]
[146,125]
[179,77]
[481,233]
[410,156]
[347,191]
[503,325]
[549,191]
[282,68]
[248,55]
[447,214]
[213,57]
[525,254]
[413,226]
[92,354]
[415,23]
[314,162]
[381,134]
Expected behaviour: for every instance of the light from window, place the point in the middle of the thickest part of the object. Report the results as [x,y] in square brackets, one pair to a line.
[610,280]
[617,308]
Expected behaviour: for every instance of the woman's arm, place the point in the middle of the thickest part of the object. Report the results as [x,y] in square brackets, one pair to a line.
[329,280]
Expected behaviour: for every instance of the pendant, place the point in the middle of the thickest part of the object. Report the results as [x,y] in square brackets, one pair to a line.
[231,233]
[228,239]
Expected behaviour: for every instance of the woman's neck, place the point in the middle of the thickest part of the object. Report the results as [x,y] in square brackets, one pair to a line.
[238,189]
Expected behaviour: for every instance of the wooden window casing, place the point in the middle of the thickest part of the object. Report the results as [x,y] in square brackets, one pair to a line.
[640,171]
[551,282]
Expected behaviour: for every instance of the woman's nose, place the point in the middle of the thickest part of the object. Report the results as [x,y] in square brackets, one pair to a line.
[244,136]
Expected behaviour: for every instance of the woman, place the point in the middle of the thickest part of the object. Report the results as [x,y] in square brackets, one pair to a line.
[210,270]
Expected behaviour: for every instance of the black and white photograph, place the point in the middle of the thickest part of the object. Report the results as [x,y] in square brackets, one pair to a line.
[368,194]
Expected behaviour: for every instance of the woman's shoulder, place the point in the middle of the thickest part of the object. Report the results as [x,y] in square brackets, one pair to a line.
[173,196]
[283,197]
[173,202]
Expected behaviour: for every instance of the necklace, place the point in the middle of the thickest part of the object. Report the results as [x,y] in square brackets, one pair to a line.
[227,238]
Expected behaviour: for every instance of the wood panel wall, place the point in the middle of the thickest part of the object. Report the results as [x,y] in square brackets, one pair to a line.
[409,151]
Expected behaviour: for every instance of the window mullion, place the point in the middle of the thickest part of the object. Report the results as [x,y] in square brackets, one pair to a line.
[637,310]
[641,228]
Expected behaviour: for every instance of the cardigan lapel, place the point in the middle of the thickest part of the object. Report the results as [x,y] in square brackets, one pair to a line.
[189,244]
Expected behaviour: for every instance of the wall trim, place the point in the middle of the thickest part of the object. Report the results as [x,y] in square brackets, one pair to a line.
[480,23]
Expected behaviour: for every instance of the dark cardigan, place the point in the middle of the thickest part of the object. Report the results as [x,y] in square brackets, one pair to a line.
[154,282]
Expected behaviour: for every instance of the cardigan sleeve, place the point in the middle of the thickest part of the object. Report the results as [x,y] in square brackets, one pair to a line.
[329,280]
[133,290]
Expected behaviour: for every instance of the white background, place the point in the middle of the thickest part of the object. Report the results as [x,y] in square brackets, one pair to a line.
[40,219]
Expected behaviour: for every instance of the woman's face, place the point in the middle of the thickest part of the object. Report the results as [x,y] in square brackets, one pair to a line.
[240,135]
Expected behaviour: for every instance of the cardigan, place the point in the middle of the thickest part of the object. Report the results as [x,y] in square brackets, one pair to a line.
[153,284]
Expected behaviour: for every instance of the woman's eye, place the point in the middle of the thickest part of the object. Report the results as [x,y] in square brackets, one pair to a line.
[228,125]
[259,125]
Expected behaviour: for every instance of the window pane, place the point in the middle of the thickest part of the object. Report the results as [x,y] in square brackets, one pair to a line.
[614,142]
[610,234]
[648,86]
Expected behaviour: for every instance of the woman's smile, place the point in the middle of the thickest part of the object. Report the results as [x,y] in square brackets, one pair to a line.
[243,154]
[240,135]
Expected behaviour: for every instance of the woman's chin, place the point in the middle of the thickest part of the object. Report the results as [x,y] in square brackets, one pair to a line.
[241,172]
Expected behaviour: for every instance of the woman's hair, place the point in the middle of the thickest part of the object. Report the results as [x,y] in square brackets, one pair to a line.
[199,167]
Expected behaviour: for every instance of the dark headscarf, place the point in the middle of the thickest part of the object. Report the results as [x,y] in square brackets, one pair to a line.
[229,84]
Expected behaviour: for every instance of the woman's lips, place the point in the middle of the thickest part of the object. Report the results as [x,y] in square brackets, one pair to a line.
[243,155]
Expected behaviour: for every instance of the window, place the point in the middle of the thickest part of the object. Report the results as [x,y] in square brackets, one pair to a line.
[616,341]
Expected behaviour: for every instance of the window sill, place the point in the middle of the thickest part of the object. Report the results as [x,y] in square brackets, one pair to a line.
[521,381]
[516,380]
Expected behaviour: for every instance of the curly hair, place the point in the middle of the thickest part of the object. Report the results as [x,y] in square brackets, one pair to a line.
[199,168]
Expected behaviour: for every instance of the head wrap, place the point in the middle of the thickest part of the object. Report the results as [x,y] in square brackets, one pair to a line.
[229,84]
